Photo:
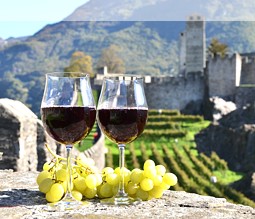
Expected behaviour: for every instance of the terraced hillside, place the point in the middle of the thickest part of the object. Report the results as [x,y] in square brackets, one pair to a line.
[168,139]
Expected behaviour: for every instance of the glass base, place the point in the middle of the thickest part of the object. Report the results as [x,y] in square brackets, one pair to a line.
[121,200]
[66,204]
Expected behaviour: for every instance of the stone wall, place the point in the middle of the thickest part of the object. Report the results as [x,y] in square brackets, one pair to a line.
[248,70]
[222,75]
[174,92]
[17,139]
[22,138]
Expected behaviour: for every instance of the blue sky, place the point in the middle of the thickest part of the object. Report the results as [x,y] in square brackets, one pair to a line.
[26,17]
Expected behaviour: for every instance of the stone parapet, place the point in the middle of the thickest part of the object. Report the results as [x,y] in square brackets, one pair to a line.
[20,198]
[22,138]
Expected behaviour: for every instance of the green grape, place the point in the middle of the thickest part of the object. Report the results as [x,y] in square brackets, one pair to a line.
[61,174]
[75,174]
[148,163]
[107,170]
[64,184]
[91,181]
[118,170]
[146,184]
[143,195]
[127,175]
[43,175]
[131,188]
[150,172]
[62,165]
[106,190]
[136,176]
[99,179]
[80,184]
[115,190]
[98,191]
[156,192]
[112,179]
[85,161]
[45,185]
[90,193]
[164,186]
[77,195]
[157,180]
[170,179]
[82,172]
[160,169]
[48,165]
[56,193]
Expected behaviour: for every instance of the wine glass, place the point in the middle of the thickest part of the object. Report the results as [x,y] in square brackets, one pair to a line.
[68,114]
[122,114]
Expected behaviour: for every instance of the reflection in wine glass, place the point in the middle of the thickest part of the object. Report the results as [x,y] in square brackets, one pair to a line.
[68,114]
[122,114]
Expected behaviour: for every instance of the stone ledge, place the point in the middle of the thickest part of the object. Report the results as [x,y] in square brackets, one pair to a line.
[20,198]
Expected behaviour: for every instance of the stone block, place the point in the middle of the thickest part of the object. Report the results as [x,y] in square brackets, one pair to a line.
[22,137]
[20,198]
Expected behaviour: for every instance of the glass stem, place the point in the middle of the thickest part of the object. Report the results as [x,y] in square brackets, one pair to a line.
[69,171]
[121,191]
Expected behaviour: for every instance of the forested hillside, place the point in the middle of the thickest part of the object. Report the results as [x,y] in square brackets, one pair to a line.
[145,47]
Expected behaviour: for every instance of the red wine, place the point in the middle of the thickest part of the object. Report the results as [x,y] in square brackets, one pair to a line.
[68,125]
[122,126]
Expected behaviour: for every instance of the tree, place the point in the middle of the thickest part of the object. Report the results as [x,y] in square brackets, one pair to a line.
[13,88]
[109,57]
[80,62]
[216,47]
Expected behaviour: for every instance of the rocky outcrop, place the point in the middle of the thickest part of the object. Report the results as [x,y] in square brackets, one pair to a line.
[232,138]
[215,108]
[246,185]
[20,198]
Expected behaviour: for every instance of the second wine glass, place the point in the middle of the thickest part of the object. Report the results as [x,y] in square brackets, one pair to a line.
[122,114]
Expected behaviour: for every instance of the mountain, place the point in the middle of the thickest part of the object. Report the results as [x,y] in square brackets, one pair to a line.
[149,47]
[164,10]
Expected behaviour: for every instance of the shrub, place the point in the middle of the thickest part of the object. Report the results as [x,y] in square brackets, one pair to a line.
[164,112]
[220,164]
[156,134]
[162,125]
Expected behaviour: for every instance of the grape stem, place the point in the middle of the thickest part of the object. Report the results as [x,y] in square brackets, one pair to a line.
[53,154]
[58,157]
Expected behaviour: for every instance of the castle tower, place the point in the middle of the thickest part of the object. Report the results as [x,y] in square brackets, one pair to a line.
[195,44]
[223,76]
[182,54]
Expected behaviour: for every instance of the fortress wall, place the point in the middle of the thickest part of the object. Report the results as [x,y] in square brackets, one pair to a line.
[223,75]
[248,71]
[174,92]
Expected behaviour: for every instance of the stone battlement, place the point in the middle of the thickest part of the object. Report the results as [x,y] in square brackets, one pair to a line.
[174,79]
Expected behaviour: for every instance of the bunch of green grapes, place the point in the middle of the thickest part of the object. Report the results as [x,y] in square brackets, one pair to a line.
[151,182]
[52,180]
[87,182]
